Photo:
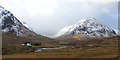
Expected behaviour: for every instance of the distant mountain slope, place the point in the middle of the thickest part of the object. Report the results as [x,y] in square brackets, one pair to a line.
[87,28]
[9,23]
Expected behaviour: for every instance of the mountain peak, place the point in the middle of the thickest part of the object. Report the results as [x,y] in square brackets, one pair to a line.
[88,28]
[10,23]
[88,20]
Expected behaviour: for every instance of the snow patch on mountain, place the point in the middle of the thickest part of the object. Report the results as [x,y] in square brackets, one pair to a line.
[25,24]
[63,31]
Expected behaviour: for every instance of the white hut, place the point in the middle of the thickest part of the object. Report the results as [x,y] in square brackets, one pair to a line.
[29,44]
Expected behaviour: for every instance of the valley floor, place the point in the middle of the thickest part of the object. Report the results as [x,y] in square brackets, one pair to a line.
[86,48]
[99,52]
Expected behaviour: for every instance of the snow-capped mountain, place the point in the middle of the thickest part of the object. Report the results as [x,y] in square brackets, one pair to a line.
[9,23]
[87,28]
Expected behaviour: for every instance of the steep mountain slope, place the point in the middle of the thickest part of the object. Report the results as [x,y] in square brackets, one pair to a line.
[87,28]
[9,23]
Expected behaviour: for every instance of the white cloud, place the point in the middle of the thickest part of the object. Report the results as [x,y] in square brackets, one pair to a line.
[105,10]
[41,6]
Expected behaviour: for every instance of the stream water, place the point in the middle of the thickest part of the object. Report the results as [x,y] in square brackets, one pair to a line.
[39,49]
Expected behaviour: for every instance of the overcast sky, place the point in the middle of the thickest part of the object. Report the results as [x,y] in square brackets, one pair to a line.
[47,17]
